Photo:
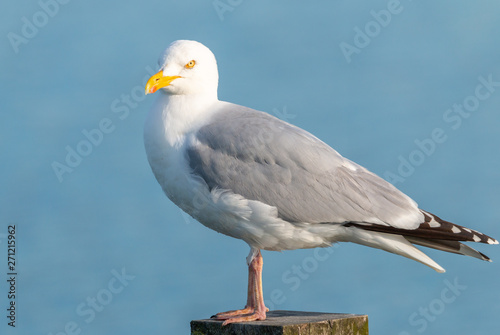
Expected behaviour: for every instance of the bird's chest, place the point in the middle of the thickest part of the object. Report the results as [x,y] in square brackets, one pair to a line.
[169,167]
[172,171]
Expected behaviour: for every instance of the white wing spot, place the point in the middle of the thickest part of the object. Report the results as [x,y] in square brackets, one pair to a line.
[434,224]
[468,230]
[476,238]
[492,241]
[456,230]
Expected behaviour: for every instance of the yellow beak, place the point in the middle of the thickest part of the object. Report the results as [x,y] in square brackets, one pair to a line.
[158,81]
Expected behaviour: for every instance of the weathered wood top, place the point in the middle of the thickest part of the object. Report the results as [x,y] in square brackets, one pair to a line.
[288,323]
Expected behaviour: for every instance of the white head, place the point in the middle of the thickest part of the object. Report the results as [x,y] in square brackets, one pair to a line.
[186,68]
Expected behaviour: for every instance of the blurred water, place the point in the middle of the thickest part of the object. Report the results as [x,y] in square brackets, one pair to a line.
[72,71]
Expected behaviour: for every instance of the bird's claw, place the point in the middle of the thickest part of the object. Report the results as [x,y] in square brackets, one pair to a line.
[240,315]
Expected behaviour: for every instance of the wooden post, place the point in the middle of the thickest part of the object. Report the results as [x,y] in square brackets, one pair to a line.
[288,323]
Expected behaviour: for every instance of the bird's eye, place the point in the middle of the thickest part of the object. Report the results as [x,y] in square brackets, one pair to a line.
[190,65]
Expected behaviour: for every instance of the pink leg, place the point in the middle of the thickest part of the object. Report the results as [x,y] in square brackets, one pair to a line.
[255,308]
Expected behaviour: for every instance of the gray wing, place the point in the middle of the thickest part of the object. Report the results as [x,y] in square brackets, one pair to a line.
[263,158]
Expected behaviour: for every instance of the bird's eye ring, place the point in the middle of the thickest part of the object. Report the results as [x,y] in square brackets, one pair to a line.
[190,65]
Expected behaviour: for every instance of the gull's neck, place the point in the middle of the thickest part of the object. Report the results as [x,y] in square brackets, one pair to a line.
[180,115]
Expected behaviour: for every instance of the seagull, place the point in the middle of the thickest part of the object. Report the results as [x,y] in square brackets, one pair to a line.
[251,176]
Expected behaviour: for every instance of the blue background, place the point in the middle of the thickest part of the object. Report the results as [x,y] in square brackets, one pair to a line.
[283,58]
